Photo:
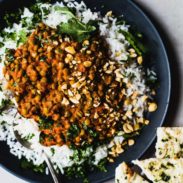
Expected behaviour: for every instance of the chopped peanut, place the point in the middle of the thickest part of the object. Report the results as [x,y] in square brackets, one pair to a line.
[152,107]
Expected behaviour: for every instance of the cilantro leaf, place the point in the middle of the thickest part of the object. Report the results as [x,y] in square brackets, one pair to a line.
[65,11]
[74,27]
[22,37]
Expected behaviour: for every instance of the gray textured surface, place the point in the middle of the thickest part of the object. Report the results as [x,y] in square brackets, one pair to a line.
[168,15]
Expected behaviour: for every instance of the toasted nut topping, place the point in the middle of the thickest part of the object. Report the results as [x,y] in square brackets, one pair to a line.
[139,60]
[87,121]
[69,57]
[88,52]
[136,127]
[75,99]
[144,98]
[64,87]
[127,102]
[135,94]
[133,55]
[140,120]
[146,122]
[7,76]
[152,107]
[131,142]
[129,114]
[96,115]
[70,93]
[117,54]
[110,160]
[127,128]
[86,42]
[131,50]
[55,43]
[77,96]
[70,50]
[119,150]
[34,54]
[76,85]
[87,63]
[109,13]
[65,101]
[49,48]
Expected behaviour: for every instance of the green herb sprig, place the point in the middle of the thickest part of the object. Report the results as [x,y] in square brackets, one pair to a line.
[4,105]
[74,27]
[25,164]
[134,42]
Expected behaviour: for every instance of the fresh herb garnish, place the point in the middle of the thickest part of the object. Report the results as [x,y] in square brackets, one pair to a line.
[73,131]
[11,35]
[165,177]
[93,133]
[11,18]
[22,37]
[4,105]
[134,42]
[164,166]
[151,78]
[1,85]
[170,164]
[65,11]
[78,169]
[43,58]
[1,44]
[74,27]
[181,146]
[130,135]
[29,137]
[45,123]
[37,17]
[102,165]
[52,151]
[86,156]
[10,55]
[25,164]
[164,140]
[2,122]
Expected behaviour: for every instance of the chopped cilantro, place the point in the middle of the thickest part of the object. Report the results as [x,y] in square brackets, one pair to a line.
[10,55]
[52,151]
[29,136]
[1,44]
[25,164]
[43,58]
[45,123]
[164,140]
[4,105]
[181,146]
[164,166]
[102,165]
[73,131]
[2,122]
[165,177]
[170,164]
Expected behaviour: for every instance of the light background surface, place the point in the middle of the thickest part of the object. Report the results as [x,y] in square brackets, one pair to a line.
[167,15]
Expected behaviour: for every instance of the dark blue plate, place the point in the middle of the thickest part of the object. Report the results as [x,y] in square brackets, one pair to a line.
[157,59]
